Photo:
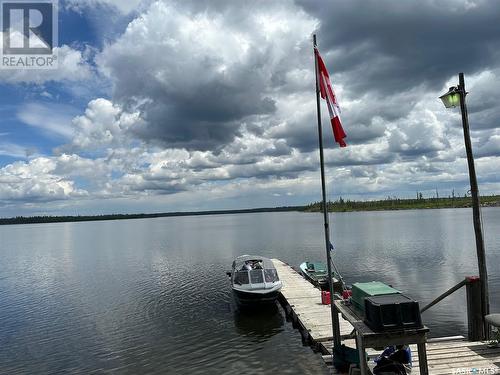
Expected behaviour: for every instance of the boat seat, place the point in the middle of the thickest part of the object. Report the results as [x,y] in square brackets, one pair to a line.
[493,319]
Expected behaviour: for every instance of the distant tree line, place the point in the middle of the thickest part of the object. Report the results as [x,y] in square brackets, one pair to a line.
[61,219]
[395,203]
[341,205]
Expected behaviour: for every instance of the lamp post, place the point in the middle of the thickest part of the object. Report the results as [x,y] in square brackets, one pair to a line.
[456,96]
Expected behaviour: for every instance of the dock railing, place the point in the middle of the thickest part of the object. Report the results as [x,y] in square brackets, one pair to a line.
[475,319]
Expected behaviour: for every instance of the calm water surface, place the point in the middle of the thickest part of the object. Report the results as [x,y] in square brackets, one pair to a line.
[151,296]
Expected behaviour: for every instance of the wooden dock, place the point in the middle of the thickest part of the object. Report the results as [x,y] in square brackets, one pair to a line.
[302,304]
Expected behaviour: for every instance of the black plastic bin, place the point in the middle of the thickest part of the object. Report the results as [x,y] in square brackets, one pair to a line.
[392,312]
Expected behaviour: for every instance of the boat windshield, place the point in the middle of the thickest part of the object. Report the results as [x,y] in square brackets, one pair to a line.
[241,277]
[271,275]
[256,277]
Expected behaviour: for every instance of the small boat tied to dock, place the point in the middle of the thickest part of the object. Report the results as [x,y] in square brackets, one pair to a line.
[317,274]
[254,280]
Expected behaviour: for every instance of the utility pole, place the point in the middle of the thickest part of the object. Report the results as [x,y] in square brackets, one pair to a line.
[480,249]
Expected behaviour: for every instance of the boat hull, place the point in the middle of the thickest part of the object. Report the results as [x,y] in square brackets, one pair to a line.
[321,283]
[248,298]
[320,279]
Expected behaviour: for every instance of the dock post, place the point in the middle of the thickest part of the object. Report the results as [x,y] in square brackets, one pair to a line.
[474,309]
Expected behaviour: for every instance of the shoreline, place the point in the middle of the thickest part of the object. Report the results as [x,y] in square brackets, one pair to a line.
[337,206]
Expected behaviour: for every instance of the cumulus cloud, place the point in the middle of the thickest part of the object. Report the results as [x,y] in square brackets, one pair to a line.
[72,67]
[35,181]
[418,134]
[200,75]
[104,124]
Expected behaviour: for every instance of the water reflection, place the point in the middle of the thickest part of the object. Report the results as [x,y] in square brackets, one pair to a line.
[259,323]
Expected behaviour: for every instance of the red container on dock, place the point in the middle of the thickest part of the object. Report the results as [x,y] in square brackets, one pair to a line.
[325,297]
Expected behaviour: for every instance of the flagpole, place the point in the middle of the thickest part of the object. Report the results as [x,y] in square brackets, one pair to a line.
[335,316]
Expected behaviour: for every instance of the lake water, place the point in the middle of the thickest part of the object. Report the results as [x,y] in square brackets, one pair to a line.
[151,296]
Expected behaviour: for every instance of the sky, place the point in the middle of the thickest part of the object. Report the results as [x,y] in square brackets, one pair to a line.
[161,106]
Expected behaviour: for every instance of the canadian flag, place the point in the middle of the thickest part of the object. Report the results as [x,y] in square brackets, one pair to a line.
[327,93]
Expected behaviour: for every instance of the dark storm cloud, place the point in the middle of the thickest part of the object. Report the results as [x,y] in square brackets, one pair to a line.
[486,146]
[485,119]
[199,74]
[159,187]
[305,138]
[482,101]
[301,135]
[205,116]
[389,46]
